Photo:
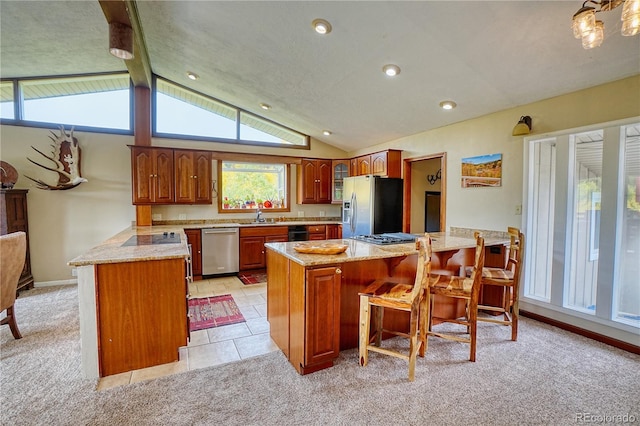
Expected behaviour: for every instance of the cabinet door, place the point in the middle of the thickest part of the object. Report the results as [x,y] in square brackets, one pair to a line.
[252,253]
[379,163]
[184,176]
[353,167]
[322,302]
[339,171]
[334,232]
[142,175]
[202,172]
[163,171]
[194,237]
[307,182]
[364,165]
[323,184]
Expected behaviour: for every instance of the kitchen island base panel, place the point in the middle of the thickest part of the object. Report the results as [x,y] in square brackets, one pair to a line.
[141,314]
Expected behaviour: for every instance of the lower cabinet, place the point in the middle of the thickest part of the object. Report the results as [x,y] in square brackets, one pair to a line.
[304,312]
[317,232]
[194,239]
[252,240]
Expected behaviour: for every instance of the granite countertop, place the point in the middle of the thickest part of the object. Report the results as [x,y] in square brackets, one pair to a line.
[359,250]
[199,224]
[112,251]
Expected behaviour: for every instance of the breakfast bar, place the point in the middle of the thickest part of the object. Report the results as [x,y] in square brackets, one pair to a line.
[312,299]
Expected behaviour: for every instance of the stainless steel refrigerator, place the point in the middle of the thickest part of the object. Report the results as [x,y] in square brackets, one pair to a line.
[371,205]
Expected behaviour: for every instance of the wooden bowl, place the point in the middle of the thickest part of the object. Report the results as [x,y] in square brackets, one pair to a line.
[320,248]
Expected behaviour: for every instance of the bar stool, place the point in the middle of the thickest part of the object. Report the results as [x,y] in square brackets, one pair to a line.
[509,279]
[405,297]
[464,288]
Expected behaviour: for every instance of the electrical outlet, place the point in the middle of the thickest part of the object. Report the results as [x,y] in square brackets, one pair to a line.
[518,209]
[182,216]
[156,216]
[74,272]
[321,213]
[300,214]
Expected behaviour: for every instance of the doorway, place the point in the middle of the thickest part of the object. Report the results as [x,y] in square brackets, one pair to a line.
[422,176]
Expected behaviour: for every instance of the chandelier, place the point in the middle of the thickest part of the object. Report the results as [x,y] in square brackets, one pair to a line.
[591,31]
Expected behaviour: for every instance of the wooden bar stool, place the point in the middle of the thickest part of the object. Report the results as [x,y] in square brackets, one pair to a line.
[508,278]
[405,297]
[464,288]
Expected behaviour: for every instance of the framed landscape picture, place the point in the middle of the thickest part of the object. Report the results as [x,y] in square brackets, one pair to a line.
[482,171]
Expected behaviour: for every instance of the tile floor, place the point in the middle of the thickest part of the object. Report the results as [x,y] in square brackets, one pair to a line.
[218,345]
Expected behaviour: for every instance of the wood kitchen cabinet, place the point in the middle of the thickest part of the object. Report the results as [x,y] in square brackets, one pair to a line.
[304,312]
[314,181]
[152,175]
[339,171]
[384,163]
[194,239]
[317,232]
[13,218]
[252,240]
[333,232]
[192,177]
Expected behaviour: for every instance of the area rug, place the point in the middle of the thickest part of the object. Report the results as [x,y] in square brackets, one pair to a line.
[254,277]
[209,312]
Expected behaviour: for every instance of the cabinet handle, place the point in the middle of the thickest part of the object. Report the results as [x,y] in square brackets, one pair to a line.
[338,271]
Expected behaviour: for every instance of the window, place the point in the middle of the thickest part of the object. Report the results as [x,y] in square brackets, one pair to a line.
[7,105]
[95,101]
[247,186]
[627,288]
[586,186]
[583,226]
[182,113]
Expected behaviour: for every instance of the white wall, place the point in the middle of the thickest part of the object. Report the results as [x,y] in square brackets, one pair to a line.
[64,224]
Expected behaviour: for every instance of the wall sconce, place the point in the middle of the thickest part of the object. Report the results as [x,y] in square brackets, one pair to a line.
[120,40]
[434,178]
[523,127]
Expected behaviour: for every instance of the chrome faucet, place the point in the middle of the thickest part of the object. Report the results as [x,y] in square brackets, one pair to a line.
[258,214]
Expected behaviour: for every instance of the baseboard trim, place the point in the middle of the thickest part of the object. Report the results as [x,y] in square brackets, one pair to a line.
[72,281]
[586,333]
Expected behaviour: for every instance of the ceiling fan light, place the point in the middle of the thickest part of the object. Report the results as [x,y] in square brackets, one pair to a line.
[594,38]
[584,20]
[120,40]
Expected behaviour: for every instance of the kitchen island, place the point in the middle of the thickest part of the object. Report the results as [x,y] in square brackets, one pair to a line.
[312,299]
[132,295]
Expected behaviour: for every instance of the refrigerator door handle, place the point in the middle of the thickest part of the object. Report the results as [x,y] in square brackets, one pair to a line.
[354,213]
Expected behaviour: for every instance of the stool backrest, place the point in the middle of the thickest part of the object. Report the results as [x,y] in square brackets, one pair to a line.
[423,269]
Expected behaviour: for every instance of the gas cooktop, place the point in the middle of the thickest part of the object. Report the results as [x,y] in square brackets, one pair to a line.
[385,239]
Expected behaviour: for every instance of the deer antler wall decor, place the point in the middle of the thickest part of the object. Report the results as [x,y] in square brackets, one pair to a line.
[66,157]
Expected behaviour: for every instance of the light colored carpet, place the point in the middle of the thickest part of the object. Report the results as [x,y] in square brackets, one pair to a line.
[548,377]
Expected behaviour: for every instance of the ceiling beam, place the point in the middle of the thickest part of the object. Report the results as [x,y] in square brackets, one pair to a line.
[126,12]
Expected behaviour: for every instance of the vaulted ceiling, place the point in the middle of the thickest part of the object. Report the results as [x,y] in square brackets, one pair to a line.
[486,56]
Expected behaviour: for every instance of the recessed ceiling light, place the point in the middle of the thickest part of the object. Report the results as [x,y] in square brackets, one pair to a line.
[265,106]
[447,105]
[192,75]
[326,132]
[321,26]
[391,70]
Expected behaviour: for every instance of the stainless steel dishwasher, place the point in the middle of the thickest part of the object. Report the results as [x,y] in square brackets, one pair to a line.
[220,251]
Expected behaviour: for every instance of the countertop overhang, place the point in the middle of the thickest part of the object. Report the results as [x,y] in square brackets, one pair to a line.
[112,251]
[359,250]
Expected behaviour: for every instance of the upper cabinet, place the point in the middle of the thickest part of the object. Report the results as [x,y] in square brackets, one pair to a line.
[192,177]
[339,171]
[383,163]
[168,176]
[314,181]
[152,175]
